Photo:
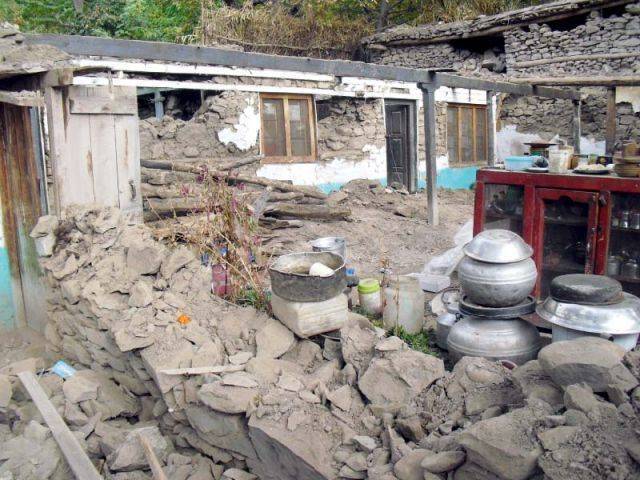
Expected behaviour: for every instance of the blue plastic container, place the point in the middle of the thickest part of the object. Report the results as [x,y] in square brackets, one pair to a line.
[519,163]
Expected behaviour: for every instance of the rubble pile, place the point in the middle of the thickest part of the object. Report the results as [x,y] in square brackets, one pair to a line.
[222,391]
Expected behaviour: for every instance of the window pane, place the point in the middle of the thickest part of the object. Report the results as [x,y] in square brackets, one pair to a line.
[452,134]
[466,134]
[481,134]
[300,128]
[273,127]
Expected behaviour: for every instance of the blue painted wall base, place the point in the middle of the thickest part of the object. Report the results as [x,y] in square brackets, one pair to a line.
[451,178]
[7,310]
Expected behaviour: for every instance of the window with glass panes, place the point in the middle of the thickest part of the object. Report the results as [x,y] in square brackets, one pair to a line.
[467,133]
[288,128]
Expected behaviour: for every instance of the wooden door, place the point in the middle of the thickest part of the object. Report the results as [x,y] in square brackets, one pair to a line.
[565,234]
[21,202]
[400,158]
[95,147]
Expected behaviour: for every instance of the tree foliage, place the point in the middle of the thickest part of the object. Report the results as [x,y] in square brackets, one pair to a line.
[183,20]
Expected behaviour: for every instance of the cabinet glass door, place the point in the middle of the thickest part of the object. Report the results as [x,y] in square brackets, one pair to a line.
[503,207]
[565,233]
[623,255]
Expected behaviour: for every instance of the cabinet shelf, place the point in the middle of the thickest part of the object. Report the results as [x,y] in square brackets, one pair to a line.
[504,216]
[622,229]
[563,267]
[569,222]
[625,279]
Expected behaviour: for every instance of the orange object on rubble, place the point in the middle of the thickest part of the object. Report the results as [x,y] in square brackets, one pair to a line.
[184,319]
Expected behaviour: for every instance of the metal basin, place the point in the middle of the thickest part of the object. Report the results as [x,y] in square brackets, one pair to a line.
[615,319]
[497,284]
[515,340]
[498,246]
[290,277]
[337,245]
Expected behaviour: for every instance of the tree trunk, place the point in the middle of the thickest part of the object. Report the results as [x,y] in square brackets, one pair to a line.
[383,15]
[310,212]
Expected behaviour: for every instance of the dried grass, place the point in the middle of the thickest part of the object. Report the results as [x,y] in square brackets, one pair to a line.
[272,29]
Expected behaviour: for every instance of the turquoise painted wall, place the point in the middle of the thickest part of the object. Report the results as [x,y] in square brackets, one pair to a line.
[7,310]
[452,178]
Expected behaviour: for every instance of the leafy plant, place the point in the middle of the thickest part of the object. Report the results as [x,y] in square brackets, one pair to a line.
[418,341]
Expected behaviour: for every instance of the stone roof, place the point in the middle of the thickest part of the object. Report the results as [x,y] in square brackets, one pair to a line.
[487,24]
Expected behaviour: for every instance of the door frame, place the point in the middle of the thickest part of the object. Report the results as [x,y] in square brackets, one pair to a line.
[580,196]
[413,141]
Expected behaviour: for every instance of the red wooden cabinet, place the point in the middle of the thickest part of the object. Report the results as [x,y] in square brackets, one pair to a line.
[575,223]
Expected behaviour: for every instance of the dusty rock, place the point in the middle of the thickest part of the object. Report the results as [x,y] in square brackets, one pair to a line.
[410,428]
[347,472]
[178,258]
[6,391]
[617,395]
[472,471]
[390,344]
[504,445]
[240,358]
[77,389]
[409,467]
[537,384]
[358,339]
[341,397]
[592,360]
[273,340]
[357,462]
[554,438]
[144,258]
[141,294]
[210,353]
[221,430]
[399,376]
[443,462]
[227,399]
[365,443]
[237,474]
[130,454]
[239,379]
[581,397]
[289,383]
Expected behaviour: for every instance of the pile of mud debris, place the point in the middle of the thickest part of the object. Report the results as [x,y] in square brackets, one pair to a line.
[222,391]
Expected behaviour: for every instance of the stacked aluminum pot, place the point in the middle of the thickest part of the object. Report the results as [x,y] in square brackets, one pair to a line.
[496,275]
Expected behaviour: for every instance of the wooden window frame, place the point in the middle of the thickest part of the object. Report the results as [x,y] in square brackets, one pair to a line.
[288,158]
[474,107]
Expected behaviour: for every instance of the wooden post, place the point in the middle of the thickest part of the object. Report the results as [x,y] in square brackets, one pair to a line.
[159,106]
[610,134]
[491,128]
[577,128]
[429,109]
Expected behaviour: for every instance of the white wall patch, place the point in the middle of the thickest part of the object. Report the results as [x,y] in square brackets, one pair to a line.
[244,134]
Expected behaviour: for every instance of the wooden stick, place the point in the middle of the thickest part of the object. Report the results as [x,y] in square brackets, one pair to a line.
[592,81]
[235,178]
[76,457]
[154,463]
[314,212]
[202,370]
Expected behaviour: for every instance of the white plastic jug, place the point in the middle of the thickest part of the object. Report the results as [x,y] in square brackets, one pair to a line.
[403,304]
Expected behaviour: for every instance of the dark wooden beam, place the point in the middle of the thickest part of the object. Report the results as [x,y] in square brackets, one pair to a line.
[582,81]
[610,130]
[577,128]
[456,81]
[491,120]
[429,112]
[171,52]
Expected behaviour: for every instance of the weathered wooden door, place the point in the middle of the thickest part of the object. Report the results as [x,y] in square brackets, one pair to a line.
[95,147]
[21,204]
[400,151]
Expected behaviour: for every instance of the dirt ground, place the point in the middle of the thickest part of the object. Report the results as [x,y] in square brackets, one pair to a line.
[377,234]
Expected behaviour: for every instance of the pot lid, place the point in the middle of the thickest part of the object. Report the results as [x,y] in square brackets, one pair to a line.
[620,318]
[498,246]
[526,306]
[586,289]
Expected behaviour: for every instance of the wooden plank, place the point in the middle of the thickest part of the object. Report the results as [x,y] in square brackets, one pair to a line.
[170,52]
[203,370]
[24,98]
[74,162]
[103,150]
[76,457]
[154,463]
[610,126]
[57,78]
[583,81]
[491,128]
[576,58]
[102,105]
[429,107]
[577,128]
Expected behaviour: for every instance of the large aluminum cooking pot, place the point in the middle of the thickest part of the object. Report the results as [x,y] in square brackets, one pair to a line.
[515,340]
[497,284]
[498,246]
[290,277]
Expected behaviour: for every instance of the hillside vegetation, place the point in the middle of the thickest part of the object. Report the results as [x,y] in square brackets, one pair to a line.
[326,28]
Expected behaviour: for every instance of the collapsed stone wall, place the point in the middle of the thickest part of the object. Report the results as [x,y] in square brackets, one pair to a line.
[227,124]
[441,55]
[615,34]
[550,117]
[350,128]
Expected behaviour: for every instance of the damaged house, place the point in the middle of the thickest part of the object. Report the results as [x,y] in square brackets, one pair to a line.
[592,44]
